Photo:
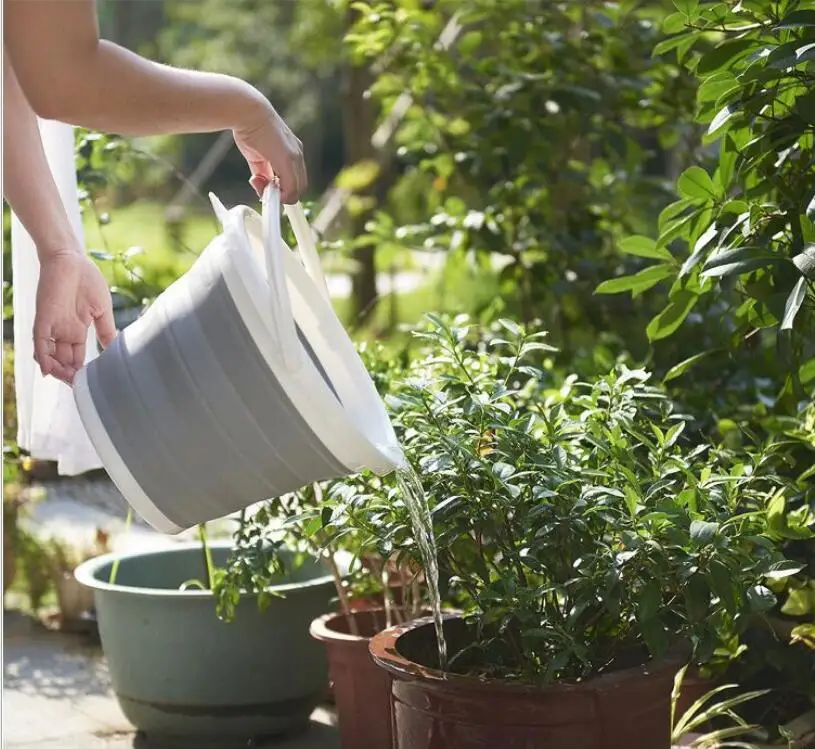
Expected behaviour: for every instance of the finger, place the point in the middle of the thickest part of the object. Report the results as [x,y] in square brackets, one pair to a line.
[43,351]
[262,175]
[288,189]
[259,183]
[105,327]
[63,373]
[64,353]
[79,356]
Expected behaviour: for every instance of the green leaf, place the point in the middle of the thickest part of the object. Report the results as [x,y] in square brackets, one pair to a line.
[667,321]
[649,601]
[637,283]
[671,211]
[679,369]
[793,305]
[721,582]
[727,166]
[737,261]
[688,8]
[797,19]
[735,206]
[695,183]
[716,85]
[702,532]
[698,249]
[799,602]
[358,176]
[760,598]
[805,634]
[666,45]
[655,636]
[674,23]
[807,371]
[674,433]
[644,247]
[783,569]
[510,326]
[723,116]
[325,515]
[697,598]
[470,42]
[725,54]
[805,262]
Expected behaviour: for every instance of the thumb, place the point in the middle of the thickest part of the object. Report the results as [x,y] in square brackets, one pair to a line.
[105,327]
[258,183]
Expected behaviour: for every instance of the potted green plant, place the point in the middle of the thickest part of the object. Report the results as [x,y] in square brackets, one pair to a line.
[593,544]
[180,671]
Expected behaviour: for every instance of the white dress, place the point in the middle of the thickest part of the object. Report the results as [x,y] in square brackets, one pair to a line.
[49,427]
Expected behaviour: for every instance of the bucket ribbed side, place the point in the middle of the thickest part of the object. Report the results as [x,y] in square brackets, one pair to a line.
[191,406]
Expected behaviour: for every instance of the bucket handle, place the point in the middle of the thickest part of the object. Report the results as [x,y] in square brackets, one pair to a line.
[307,247]
[273,249]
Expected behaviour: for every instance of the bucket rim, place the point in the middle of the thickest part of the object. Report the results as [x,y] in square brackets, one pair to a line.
[86,574]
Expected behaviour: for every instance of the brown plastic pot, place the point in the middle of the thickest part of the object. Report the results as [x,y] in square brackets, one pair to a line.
[361,689]
[625,709]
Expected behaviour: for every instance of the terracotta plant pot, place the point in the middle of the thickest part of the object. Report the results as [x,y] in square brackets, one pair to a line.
[361,689]
[625,709]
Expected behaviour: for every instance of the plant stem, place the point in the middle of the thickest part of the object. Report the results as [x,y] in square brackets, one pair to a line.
[202,534]
[386,596]
[115,566]
[345,606]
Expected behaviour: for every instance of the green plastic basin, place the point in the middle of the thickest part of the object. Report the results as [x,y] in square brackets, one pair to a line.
[178,671]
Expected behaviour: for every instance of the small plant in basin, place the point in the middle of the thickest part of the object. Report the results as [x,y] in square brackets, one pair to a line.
[593,546]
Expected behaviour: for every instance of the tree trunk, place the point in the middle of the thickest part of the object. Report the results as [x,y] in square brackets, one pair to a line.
[358,122]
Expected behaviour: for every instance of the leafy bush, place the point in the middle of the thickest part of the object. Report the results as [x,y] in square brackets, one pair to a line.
[541,136]
[745,227]
[574,523]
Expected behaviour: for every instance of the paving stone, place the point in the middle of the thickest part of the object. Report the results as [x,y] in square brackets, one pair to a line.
[57,695]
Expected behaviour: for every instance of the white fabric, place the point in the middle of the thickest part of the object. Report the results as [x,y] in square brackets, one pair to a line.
[49,427]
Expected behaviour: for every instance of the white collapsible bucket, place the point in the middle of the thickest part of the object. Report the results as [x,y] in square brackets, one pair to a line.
[237,384]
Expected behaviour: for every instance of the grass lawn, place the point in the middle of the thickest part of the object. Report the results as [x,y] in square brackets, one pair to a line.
[142,225]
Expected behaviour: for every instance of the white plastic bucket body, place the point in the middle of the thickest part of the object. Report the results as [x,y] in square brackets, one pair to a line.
[238,384]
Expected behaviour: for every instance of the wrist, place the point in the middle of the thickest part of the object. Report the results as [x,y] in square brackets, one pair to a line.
[254,110]
[52,248]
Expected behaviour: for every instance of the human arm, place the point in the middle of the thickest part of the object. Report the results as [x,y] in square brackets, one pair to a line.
[71,292]
[69,74]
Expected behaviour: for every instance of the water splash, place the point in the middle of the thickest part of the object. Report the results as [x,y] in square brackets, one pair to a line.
[416,502]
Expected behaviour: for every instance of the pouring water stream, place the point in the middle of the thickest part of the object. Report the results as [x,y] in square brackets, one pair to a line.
[414,497]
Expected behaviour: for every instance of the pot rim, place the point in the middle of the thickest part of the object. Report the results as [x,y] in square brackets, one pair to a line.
[320,630]
[383,649]
[86,574]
